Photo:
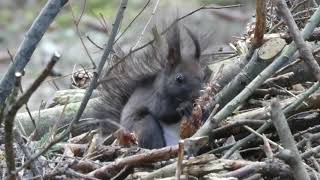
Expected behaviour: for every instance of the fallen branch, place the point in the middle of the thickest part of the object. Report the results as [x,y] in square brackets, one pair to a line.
[287,141]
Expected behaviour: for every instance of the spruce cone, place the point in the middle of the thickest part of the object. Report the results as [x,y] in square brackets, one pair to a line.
[189,125]
[81,78]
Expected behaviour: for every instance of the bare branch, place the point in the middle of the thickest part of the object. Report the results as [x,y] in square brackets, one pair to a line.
[29,44]
[304,50]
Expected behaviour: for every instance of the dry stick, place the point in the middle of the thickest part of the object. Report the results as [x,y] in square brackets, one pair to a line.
[309,130]
[225,168]
[35,166]
[89,91]
[297,5]
[147,24]
[308,138]
[76,23]
[29,44]
[26,105]
[8,129]
[268,124]
[128,26]
[155,155]
[303,48]
[180,159]
[213,121]
[12,111]
[69,173]
[125,172]
[310,152]
[263,137]
[267,148]
[260,22]
[286,139]
[273,167]
[25,97]
[236,124]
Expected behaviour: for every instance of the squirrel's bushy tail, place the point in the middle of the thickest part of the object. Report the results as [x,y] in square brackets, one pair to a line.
[122,75]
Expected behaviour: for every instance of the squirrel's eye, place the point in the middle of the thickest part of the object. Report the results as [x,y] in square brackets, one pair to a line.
[179,78]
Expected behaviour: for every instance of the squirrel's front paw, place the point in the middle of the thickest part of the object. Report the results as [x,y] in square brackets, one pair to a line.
[185,109]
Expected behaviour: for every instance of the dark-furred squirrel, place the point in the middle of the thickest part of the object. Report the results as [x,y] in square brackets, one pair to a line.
[150,92]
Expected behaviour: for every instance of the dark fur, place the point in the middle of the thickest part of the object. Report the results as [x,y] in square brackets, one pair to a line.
[145,90]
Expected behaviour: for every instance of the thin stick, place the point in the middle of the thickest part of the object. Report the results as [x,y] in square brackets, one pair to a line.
[286,138]
[136,17]
[303,48]
[8,133]
[180,159]
[263,137]
[29,44]
[76,23]
[147,24]
[260,22]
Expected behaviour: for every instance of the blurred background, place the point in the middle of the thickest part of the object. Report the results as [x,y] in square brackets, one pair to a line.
[64,35]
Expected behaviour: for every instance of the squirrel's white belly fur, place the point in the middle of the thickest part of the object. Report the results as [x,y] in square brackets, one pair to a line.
[171,133]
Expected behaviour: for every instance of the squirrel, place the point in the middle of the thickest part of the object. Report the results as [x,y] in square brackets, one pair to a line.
[149,93]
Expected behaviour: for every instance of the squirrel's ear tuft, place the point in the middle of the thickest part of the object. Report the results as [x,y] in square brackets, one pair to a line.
[196,43]
[174,50]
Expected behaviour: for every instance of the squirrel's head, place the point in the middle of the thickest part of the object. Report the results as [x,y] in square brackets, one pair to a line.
[182,75]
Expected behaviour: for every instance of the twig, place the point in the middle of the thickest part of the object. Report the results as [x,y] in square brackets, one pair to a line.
[92,42]
[266,147]
[263,137]
[155,155]
[208,7]
[303,48]
[68,172]
[309,130]
[180,159]
[260,22]
[140,12]
[308,138]
[76,23]
[294,15]
[26,105]
[123,173]
[287,140]
[25,97]
[35,166]
[29,44]
[230,125]
[310,152]
[12,110]
[8,127]
[147,24]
